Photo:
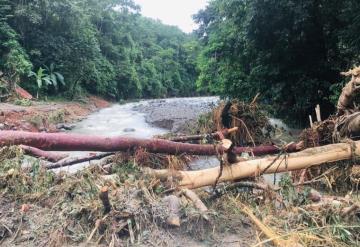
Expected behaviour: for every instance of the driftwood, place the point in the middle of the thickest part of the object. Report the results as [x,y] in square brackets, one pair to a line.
[347,126]
[195,199]
[75,142]
[173,205]
[304,159]
[349,92]
[347,211]
[217,135]
[252,185]
[269,233]
[38,153]
[348,121]
[75,161]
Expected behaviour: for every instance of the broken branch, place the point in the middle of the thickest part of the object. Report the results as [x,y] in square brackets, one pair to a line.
[38,153]
[77,161]
[195,199]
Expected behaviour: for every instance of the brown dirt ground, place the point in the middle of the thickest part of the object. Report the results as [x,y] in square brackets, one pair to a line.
[43,116]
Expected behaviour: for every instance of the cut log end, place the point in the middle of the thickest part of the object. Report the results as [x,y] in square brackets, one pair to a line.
[173,205]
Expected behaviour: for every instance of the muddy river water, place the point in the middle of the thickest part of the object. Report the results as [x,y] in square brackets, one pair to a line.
[145,119]
[148,118]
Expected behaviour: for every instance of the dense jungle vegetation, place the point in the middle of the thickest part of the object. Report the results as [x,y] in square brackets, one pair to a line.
[292,52]
[104,47]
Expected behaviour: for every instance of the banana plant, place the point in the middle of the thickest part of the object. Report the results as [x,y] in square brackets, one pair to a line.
[47,77]
[54,77]
[40,77]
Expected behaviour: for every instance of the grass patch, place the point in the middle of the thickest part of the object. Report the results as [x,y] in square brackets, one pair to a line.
[22,102]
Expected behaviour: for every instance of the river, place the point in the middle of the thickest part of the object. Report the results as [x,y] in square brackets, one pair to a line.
[143,119]
[146,119]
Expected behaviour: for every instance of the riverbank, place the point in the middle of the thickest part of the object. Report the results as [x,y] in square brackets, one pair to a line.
[58,208]
[176,114]
[173,114]
[47,116]
[133,119]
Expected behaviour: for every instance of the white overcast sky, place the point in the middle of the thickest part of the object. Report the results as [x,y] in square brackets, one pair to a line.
[173,12]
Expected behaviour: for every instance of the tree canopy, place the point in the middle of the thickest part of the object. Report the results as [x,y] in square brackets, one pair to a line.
[102,47]
[292,52]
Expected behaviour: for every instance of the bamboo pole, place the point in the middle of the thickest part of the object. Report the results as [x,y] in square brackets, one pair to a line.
[304,159]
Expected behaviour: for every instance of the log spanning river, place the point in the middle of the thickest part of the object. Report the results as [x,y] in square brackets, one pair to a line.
[146,119]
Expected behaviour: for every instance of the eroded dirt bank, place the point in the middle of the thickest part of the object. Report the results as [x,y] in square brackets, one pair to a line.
[47,116]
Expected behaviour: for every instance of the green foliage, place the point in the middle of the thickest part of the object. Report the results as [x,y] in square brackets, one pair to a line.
[292,52]
[23,102]
[54,77]
[289,192]
[56,117]
[102,47]
[40,76]
[47,77]
[126,171]
[13,59]
[53,118]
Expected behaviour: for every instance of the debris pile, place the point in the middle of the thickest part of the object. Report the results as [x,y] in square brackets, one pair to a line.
[345,124]
[249,118]
[125,206]
[144,192]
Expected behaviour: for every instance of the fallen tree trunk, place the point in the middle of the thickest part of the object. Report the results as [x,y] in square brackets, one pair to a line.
[217,135]
[38,153]
[304,159]
[75,161]
[75,142]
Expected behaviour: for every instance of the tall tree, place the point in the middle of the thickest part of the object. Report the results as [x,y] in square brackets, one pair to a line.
[291,52]
[14,61]
[101,47]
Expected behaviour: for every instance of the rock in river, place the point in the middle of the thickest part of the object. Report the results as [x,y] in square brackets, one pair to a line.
[126,130]
[65,126]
